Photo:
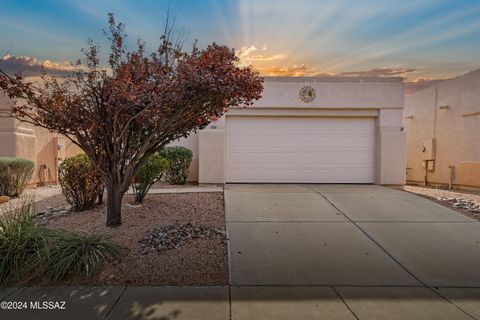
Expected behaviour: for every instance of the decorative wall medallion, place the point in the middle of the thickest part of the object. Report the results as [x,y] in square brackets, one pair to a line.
[307,94]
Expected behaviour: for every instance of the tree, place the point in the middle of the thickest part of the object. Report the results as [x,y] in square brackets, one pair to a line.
[123,114]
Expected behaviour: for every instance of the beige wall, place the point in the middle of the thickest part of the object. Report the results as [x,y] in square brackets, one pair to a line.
[19,139]
[380,98]
[448,112]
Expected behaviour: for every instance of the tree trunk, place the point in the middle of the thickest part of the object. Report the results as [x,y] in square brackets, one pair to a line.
[114,204]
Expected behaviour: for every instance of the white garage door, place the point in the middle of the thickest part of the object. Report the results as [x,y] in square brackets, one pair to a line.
[298,149]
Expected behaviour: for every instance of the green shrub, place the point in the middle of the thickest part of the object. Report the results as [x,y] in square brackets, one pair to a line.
[14,175]
[152,170]
[74,254]
[31,252]
[22,243]
[81,184]
[179,159]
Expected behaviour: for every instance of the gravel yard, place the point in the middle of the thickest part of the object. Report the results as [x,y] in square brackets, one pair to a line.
[48,196]
[465,202]
[195,259]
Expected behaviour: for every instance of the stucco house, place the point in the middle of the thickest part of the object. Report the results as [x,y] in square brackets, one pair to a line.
[308,130]
[46,149]
[303,130]
[443,133]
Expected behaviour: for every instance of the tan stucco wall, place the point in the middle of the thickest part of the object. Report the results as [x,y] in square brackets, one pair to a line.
[380,98]
[448,112]
[19,139]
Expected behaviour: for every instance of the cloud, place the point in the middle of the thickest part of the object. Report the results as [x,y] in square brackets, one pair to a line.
[422,83]
[30,66]
[379,72]
[247,56]
[295,70]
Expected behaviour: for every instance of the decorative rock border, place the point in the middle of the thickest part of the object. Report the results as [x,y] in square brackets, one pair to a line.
[461,203]
[43,216]
[176,235]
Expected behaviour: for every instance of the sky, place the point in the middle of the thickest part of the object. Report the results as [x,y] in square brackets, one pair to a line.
[421,40]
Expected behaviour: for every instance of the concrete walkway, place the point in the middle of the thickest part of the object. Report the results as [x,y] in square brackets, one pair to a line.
[183,189]
[240,302]
[309,252]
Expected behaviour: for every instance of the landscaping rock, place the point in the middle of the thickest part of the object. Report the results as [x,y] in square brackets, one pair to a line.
[51,212]
[174,236]
[462,203]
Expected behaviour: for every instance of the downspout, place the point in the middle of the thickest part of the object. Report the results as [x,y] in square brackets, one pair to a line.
[425,180]
[434,134]
[452,175]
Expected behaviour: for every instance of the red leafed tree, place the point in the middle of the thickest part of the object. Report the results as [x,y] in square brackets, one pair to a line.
[123,114]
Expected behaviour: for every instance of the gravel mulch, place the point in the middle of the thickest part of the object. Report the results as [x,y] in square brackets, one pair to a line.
[44,197]
[200,261]
[463,201]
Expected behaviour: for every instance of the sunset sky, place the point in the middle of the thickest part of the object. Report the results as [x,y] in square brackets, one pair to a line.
[417,39]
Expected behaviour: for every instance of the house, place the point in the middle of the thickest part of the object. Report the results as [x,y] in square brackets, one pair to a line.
[302,130]
[45,148]
[308,130]
[443,133]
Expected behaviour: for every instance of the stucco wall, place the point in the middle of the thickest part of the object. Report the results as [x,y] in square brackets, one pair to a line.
[19,139]
[380,98]
[448,112]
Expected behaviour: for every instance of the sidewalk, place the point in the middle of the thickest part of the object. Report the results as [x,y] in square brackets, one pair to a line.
[183,189]
[240,303]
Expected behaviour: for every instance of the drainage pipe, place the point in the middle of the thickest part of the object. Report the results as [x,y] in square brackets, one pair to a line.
[452,175]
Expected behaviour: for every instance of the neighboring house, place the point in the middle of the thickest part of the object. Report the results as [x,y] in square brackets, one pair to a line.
[443,133]
[46,149]
[303,130]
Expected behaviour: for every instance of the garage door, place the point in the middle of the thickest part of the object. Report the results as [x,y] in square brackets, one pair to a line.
[300,150]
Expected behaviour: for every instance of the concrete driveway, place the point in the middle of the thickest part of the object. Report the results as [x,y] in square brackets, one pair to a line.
[363,244]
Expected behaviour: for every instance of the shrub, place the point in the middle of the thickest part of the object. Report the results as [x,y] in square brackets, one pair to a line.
[152,170]
[78,254]
[22,243]
[14,175]
[32,252]
[81,184]
[179,159]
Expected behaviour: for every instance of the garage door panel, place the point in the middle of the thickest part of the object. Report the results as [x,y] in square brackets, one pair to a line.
[322,150]
[289,158]
[271,175]
[364,143]
[254,159]
[273,141]
[326,142]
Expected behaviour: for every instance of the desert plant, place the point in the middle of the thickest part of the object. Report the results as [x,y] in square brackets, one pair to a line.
[81,184]
[22,243]
[152,170]
[29,251]
[179,159]
[14,175]
[78,254]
